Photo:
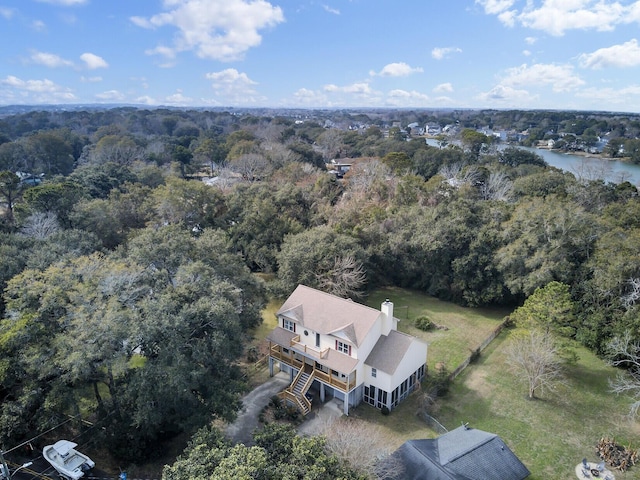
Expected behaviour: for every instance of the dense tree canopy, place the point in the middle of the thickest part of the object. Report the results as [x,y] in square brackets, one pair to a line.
[129,285]
[279,453]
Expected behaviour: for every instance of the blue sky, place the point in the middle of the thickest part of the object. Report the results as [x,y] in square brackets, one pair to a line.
[558,54]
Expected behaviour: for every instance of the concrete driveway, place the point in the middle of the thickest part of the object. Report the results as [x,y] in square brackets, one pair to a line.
[241,431]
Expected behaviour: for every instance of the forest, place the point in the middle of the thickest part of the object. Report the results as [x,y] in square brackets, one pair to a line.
[135,244]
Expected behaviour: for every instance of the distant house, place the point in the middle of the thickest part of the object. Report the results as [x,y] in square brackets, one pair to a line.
[29,179]
[347,350]
[338,168]
[461,454]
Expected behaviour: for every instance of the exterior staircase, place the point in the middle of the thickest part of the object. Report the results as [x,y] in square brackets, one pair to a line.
[296,392]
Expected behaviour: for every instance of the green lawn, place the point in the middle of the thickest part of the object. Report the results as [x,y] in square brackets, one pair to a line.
[466,328]
[550,435]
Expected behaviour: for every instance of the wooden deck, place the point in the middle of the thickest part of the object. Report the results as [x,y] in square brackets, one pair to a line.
[328,379]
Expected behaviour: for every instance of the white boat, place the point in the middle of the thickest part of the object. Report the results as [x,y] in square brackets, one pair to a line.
[68,462]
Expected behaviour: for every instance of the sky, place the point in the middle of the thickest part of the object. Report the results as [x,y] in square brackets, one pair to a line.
[522,54]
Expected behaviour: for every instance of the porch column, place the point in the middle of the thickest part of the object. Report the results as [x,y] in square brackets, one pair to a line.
[270,366]
[291,375]
[345,404]
[321,392]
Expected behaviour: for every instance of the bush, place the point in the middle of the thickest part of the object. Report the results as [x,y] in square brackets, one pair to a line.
[253,355]
[385,410]
[424,323]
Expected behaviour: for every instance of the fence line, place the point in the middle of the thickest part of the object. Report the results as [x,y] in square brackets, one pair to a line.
[487,341]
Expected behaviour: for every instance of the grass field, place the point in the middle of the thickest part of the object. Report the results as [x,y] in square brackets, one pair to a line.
[466,328]
[550,435]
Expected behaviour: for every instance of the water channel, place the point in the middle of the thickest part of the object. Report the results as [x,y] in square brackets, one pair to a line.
[585,167]
[591,167]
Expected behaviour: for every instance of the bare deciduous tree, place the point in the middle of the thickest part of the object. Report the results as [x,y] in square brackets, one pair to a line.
[459,174]
[344,279]
[40,225]
[534,356]
[630,298]
[331,142]
[497,187]
[625,352]
[363,446]
[252,166]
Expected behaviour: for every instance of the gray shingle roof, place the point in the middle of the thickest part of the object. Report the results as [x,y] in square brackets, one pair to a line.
[389,351]
[461,454]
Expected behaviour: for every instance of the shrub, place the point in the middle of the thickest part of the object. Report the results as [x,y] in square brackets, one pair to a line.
[252,354]
[424,323]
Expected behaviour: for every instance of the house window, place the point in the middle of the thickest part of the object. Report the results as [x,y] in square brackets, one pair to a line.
[370,395]
[317,340]
[343,347]
[374,372]
[288,325]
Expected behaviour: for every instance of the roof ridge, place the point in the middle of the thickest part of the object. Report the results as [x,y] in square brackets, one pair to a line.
[489,438]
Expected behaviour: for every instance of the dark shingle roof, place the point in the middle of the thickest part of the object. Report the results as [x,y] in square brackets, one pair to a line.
[461,454]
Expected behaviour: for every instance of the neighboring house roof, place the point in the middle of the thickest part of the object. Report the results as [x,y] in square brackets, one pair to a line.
[389,351]
[328,314]
[461,454]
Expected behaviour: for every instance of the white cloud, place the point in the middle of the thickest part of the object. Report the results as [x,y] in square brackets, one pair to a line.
[178,99]
[560,77]
[526,53]
[404,98]
[559,16]
[214,30]
[440,53]
[356,94]
[623,56]
[229,78]
[628,97]
[93,61]
[443,88]
[399,69]
[495,7]
[146,100]
[327,8]
[360,88]
[235,87]
[38,26]
[7,13]
[33,91]
[506,96]
[309,98]
[65,3]
[50,60]
[111,96]
[84,79]
[530,40]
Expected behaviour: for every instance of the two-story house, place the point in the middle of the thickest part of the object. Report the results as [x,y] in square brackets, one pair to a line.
[350,351]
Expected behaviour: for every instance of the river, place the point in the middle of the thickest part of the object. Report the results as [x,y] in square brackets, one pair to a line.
[591,168]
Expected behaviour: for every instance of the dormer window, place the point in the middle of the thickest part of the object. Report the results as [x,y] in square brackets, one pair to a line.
[343,347]
[288,325]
